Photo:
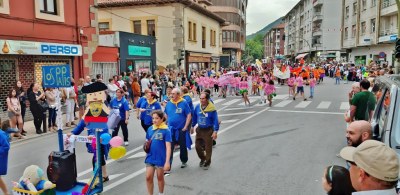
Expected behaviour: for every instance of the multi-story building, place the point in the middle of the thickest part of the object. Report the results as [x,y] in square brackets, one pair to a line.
[274,42]
[183,30]
[313,30]
[369,30]
[233,34]
[40,33]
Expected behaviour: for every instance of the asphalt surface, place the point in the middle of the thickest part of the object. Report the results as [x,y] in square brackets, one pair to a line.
[261,150]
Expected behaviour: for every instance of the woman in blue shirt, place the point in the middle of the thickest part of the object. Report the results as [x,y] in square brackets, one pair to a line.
[4,148]
[147,107]
[121,104]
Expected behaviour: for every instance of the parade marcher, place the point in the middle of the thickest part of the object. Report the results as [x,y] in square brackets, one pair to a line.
[337,76]
[140,115]
[206,117]
[270,91]
[186,96]
[300,88]
[147,107]
[178,118]
[157,160]
[291,84]
[243,86]
[4,148]
[336,181]
[121,104]
[262,91]
[312,85]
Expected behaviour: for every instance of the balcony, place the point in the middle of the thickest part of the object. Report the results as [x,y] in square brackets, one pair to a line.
[317,18]
[388,35]
[317,32]
[317,3]
[233,45]
[388,7]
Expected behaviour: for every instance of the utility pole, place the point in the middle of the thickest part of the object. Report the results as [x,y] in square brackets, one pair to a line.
[397,62]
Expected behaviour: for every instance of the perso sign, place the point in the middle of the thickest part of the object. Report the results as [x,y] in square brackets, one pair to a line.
[59,49]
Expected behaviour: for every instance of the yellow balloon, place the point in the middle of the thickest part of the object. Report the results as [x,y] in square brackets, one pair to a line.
[117,152]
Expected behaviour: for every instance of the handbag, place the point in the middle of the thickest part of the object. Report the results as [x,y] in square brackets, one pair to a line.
[44,105]
[147,143]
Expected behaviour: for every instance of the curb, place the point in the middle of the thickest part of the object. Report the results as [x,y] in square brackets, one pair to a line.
[35,136]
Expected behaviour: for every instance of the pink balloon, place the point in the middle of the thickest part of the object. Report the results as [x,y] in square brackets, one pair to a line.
[116,141]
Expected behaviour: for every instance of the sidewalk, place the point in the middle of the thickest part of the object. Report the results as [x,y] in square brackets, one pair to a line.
[29,127]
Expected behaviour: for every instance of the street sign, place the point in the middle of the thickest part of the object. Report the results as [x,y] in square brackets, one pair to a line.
[56,76]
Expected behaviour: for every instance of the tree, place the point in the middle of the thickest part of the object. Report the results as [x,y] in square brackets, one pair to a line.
[254,49]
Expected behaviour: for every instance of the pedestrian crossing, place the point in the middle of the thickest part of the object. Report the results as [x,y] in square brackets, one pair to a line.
[279,101]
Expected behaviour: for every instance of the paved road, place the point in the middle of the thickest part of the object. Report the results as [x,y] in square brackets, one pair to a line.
[261,150]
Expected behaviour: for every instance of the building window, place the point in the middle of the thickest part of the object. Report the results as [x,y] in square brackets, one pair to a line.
[212,38]
[373,3]
[364,5]
[347,11]
[137,27]
[354,9]
[103,26]
[4,7]
[48,6]
[190,37]
[372,25]
[151,28]
[203,37]
[363,28]
[353,31]
[194,32]
[1,3]
[346,33]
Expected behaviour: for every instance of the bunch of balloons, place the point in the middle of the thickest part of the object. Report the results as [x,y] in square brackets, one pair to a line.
[117,151]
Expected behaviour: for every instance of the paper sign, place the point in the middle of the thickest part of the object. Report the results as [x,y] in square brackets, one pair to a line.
[56,76]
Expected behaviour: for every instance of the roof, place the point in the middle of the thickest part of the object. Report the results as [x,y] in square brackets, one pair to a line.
[106,54]
[188,3]
[279,26]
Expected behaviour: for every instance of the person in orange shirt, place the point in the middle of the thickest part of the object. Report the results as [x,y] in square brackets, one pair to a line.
[322,74]
[337,76]
[316,74]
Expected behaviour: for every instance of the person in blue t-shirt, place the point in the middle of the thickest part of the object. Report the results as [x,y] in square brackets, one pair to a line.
[206,117]
[160,151]
[187,97]
[120,103]
[140,115]
[4,148]
[178,119]
[147,108]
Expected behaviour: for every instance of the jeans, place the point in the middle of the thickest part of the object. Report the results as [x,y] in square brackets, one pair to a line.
[312,91]
[52,117]
[337,80]
[182,144]
[124,128]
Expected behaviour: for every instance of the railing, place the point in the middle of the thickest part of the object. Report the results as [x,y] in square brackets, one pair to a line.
[387,32]
[388,3]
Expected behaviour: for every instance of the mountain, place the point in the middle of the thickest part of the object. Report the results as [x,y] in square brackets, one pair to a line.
[265,29]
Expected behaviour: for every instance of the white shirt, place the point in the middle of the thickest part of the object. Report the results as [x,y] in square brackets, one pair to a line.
[145,83]
[121,83]
[112,90]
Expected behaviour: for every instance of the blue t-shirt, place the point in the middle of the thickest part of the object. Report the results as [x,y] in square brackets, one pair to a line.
[189,101]
[122,105]
[158,150]
[177,114]
[206,120]
[148,119]
[4,148]
[139,104]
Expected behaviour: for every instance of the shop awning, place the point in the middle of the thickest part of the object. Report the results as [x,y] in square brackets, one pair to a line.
[106,54]
[301,55]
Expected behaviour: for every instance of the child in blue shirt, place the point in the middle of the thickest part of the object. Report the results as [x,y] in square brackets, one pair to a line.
[160,150]
[4,148]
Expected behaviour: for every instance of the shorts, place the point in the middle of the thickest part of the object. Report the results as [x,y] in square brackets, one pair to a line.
[300,89]
[155,166]
[242,91]
[10,114]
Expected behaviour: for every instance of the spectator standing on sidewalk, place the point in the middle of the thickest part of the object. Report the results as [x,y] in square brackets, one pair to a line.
[14,112]
[35,96]
[51,101]
[121,104]
[70,100]
[206,117]
[4,148]
[135,91]
[362,103]
[22,101]
[81,98]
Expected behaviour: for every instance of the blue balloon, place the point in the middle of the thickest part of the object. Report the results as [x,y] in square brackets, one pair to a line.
[105,138]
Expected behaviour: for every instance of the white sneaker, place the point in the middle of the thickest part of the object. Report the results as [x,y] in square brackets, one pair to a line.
[126,143]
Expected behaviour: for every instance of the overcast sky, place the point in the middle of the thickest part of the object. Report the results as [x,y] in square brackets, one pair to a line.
[262,12]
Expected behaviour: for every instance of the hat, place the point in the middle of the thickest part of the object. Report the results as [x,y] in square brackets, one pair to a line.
[153,94]
[375,158]
[94,87]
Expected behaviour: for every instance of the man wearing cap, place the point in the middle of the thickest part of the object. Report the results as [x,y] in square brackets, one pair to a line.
[357,132]
[374,168]
[178,118]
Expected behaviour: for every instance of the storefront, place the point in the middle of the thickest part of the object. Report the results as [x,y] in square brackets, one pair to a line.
[137,53]
[23,60]
[105,62]
[198,61]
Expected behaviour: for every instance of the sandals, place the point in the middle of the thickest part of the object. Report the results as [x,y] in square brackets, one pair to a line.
[105,179]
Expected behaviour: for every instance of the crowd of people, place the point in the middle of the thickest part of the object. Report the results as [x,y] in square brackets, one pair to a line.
[163,102]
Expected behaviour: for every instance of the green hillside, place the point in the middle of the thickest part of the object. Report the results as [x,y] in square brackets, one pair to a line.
[265,29]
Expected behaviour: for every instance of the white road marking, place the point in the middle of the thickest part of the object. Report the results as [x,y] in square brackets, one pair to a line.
[233,114]
[281,97]
[141,171]
[230,102]
[218,101]
[283,103]
[138,155]
[307,112]
[303,104]
[344,106]
[324,105]
[229,121]
[111,177]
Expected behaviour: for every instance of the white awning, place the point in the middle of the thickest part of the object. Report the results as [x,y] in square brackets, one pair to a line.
[301,55]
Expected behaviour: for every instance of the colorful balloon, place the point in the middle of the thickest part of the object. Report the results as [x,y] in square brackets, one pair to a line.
[117,152]
[116,141]
[105,138]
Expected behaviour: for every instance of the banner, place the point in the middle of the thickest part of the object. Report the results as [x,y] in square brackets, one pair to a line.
[56,76]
